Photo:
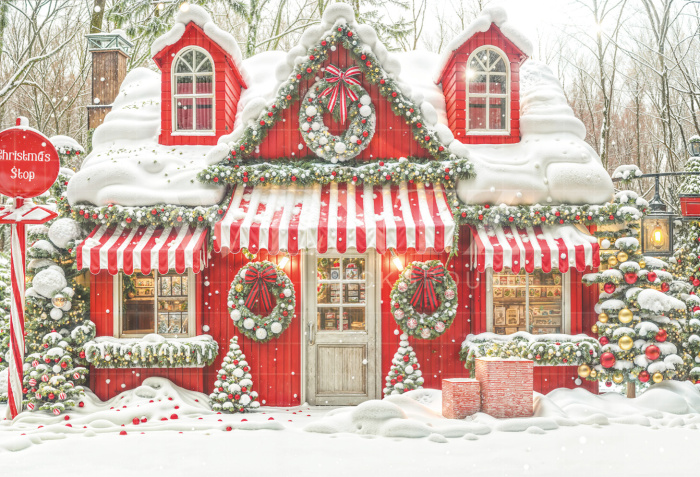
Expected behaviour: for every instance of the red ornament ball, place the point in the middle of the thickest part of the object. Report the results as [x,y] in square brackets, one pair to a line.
[665,287]
[661,336]
[608,383]
[643,376]
[631,278]
[609,288]
[406,358]
[652,352]
[604,340]
[607,360]
[651,276]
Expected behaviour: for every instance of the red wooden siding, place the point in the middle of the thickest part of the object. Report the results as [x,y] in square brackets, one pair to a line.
[454,86]
[228,83]
[393,138]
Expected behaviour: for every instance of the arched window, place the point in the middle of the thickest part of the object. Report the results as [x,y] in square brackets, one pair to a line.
[488,102]
[193,91]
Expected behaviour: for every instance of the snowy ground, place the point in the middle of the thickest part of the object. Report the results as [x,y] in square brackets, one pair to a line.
[572,433]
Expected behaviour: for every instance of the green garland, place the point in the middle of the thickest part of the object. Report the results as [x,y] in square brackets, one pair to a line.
[564,350]
[389,171]
[626,207]
[139,353]
[422,325]
[256,327]
[370,66]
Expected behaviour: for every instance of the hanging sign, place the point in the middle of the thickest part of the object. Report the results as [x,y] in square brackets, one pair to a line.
[29,163]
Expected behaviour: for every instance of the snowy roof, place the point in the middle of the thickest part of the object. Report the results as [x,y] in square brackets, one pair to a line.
[496,15]
[200,17]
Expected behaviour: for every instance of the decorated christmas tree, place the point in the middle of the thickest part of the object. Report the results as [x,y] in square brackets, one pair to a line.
[404,374]
[233,386]
[637,315]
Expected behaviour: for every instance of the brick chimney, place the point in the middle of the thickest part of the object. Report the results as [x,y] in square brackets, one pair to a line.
[110,53]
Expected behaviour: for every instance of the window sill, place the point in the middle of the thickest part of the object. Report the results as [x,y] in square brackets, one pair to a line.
[151,351]
[193,133]
[487,133]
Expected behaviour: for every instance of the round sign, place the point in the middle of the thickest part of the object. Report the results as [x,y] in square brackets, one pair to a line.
[29,163]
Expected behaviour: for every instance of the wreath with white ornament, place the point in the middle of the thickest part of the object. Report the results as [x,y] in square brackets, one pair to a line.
[259,284]
[424,299]
[338,88]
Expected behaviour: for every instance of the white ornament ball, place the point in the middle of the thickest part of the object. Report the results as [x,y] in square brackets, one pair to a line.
[449,294]
[276,327]
[399,314]
[56,314]
[323,140]
[56,368]
[605,243]
[235,315]
[412,323]
[425,333]
[408,369]
[311,110]
[49,281]
[315,126]
[402,287]
[340,147]
[365,111]
[439,326]
[287,292]
[261,333]
[67,306]
[365,99]
[245,400]
[305,127]
[248,323]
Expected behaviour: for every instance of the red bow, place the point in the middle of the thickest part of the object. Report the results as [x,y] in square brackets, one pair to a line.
[340,78]
[259,279]
[424,296]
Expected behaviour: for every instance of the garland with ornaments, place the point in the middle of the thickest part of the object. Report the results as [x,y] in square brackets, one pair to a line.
[369,66]
[544,350]
[626,206]
[424,299]
[405,374]
[233,388]
[259,284]
[325,94]
[383,171]
[151,351]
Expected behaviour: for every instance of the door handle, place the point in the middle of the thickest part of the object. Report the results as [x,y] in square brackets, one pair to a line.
[311,337]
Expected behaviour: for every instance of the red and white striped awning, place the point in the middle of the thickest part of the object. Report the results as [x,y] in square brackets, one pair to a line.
[543,247]
[336,216]
[143,248]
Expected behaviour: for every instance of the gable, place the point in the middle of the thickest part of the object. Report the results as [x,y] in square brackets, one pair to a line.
[393,136]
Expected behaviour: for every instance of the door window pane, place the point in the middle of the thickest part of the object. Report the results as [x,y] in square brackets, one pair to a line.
[341,293]
[328,318]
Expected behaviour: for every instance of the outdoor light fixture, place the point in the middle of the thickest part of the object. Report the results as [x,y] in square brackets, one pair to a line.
[657,227]
[694,146]
[396,259]
[283,262]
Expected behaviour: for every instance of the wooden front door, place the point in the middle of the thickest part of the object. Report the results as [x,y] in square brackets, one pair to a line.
[341,328]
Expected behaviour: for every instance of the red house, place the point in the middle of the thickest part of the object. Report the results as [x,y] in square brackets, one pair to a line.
[219,161]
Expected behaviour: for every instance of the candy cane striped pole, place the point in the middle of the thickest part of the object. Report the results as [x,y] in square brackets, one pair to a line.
[15,369]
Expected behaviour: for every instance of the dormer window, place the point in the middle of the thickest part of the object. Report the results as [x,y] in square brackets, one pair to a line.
[488,101]
[193,91]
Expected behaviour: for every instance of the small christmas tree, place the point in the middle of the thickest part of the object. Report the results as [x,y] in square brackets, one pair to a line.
[233,387]
[404,374]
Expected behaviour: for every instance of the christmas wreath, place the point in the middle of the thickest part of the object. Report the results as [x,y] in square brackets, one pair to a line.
[258,284]
[424,299]
[336,89]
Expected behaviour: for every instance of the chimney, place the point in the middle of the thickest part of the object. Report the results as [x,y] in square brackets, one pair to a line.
[110,53]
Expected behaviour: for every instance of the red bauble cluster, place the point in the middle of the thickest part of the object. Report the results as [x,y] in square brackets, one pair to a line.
[651,276]
[609,288]
[644,376]
[604,340]
[631,278]
[607,360]
[652,352]
[661,336]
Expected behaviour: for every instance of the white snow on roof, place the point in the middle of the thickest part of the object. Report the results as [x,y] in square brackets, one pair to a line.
[202,19]
[127,165]
[482,23]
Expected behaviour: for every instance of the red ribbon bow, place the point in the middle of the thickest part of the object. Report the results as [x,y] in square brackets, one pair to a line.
[340,78]
[259,279]
[425,296]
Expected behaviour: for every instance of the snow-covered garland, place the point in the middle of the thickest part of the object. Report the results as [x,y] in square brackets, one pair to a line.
[323,95]
[383,171]
[373,72]
[544,350]
[428,286]
[261,282]
[151,351]
[627,206]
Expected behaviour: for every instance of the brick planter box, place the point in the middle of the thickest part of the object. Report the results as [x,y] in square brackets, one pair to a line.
[506,386]
[460,397]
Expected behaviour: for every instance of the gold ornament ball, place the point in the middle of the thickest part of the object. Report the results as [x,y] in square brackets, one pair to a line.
[642,263]
[626,343]
[594,373]
[239,288]
[622,257]
[612,261]
[618,377]
[603,317]
[625,315]
[657,377]
[584,371]
[594,328]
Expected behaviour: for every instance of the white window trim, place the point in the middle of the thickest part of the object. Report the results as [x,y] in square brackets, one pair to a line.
[489,132]
[191,307]
[565,303]
[193,96]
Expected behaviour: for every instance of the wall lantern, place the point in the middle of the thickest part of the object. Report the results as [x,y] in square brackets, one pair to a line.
[657,226]
[694,146]
[396,259]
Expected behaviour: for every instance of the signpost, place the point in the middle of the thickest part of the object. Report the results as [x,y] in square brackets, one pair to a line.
[29,166]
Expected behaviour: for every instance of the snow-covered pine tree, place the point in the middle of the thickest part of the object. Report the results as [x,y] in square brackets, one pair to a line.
[405,374]
[5,292]
[689,333]
[233,386]
[637,315]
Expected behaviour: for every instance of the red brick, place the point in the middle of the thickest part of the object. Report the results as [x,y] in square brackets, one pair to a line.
[460,397]
[506,387]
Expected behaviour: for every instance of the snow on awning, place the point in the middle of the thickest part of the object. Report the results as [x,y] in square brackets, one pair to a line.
[543,247]
[336,216]
[143,248]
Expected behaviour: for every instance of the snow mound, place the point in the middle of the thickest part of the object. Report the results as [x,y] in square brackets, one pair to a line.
[489,15]
[63,231]
[552,164]
[202,19]
[66,143]
[127,165]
